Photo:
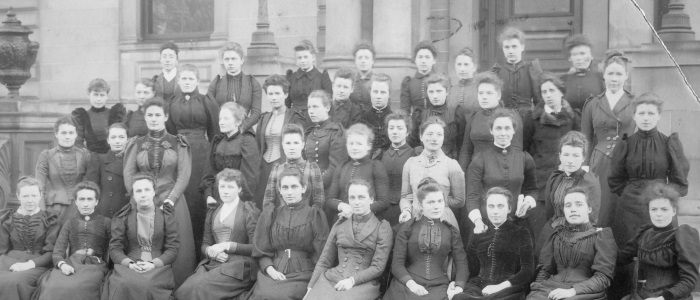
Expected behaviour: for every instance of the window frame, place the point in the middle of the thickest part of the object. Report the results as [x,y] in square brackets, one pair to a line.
[189,36]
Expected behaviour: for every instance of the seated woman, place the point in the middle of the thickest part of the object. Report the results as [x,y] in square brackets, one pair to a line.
[505,248]
[359,144]
[578,259]
[27,238]
[144,244]
[79,276]
[288,242]
[421,249]
[361,244]
[228,270]
[668,254]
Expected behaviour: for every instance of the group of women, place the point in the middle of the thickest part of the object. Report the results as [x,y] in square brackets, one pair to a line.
[482,190]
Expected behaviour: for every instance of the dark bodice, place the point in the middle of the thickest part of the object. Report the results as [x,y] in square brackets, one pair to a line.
[558,183]
[448,113]
[519,83]
[581,85]
[548,128]
[367,169]
[413,92]
[135,123]
[393,160]
[301,84]
[501,254]
[478,138]
[325,146]
[34,234]
[375,120]
[81,233]
[200,112]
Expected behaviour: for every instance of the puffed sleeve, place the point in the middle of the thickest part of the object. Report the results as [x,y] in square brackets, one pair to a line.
[627,254]
[208,236]
[679,165]
[535,71]
[59,249]
[587,128]
[250,165]
[211,90]
[460,120]
[475,187]
[321,230]
[467,149]
[548,188]
[529,187]
[456,198]
[406,201]
[333,197]
[617,180]
[255,106]
[603,264]
[547,265]
[41,173]
[381,188]
[338,152]
[262,248]
[459,256]
[252,214]
[473,258]
[326,83]
[687,245]
[172,238]
[398,262]
[117,242]
[385,241]
[130,166]
[184,168]
[406,95]
[52,227]
[526,255]
[329,254]
[116,114]
[211,107]
[80,116]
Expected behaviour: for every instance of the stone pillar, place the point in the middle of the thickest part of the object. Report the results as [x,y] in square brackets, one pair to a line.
[263,40]
[321,34]
[343,30]
[675,25]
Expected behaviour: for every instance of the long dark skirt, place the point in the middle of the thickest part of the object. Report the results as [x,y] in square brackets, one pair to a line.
[185,262]
[293,288]
[213,280]
[18,285]
[473,292]
[437,289]
[323,290]
[540,291]
[199,146]
[600,165]
[124,283]
[84,284]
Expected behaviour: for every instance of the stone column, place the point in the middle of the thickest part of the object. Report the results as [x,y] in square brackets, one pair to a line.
[675,25]
[343,30]
[262,42]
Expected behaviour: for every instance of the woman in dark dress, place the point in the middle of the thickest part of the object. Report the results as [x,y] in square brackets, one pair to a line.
[500,260]
[573,146]
[59,169]
[413,89]
[167,158]
[463,92]
[270,127]
[325,141]
[144,244]
[134,119]
[668,254]
[583,79]
[165,83]
[231,149]
[552,118]
[505,166]
[360,244]
[196,117]
[80,272]
[227,271]
[92,124]
[235,86]
[421,248]
[360,165]
[606,118]
[107,170]
[288,241]
[578,260]
[640,159]
[27,239]
[375,115]
[306,79]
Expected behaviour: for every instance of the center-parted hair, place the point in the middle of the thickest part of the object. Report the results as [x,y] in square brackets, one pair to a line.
[489,78]
[427,186]
[155,101]
[117,126]
[63,121]
[574,139]
[381,77]
[191,68]
[361,129]
[466,51]
[400,116]
[577,190]
[98,85]
[577,40]
[433,120]
[616,57]
[440,78]
[86,185]
[147,82]
[503,113]
[291,172]
[231,46]
[276,80]
[659,190]
[362,182]
[171,46]
[25,181]
[292,129]
[428,45]
[497,190]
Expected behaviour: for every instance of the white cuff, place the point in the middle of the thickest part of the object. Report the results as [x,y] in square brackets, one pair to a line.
[32,263]
[169,201]
[531,201]
[474,215]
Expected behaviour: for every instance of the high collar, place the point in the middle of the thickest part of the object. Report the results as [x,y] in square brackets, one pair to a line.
[550,110]
[515,66]
[419,75]
[98,110]
[87,217]
[437,156]
[117,154]
[236,77]
[232,137]
[380,111]
[576,174]
[296,206]
[368,76]
[26,213]
[504,150]
[156,134]
[505,225]
[323,123]
[400,150]
[65,149]
[466,82]
[578,227]
[296,161]
[489,111]
[145,210]
[424,219]
[662,229]
[362,160]
[648,134]
[191,94]
[170,74]
[361,219]
[311,73]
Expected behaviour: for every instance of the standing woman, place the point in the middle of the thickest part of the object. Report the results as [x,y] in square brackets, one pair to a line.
[463,93]
[413,89]
[92,124]
[167,158]
[435,164]
[195,117]
[607,118]
[27,239]
[288,242]
[583,79]
[270,127]
[364,61]
[231,149]
[107,170]
[236,86]
[640,159]
[59,169]
[360,165]
[505,166]
[421,248]
[165,83]
[134,120]
[552,118]
[305,80]
[325,141]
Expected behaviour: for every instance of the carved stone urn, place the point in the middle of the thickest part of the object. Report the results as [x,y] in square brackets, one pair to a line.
[17,54]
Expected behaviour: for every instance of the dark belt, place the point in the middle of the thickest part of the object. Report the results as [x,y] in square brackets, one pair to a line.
[289,254]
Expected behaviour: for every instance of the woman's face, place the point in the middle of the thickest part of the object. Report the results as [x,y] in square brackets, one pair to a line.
[433,136]
[293,145]
[291,189]
[342,88]
[229,191]
[551,94]
[379,92]
[661,212]
[66,135]
[144,193]
[232,62]
[464,67]
[424,61]
[143,93]
[580,57]
[571,158]
[358,146]
[437,94]
[86,200]
[276,96]
[502,131]
[364,60]
[647,116]
[317,111]
[433,205]
[188,81]
[615,76]
[168,59]
[98,99]
[576,208]
[305,60]
[497,209]
[117,139]
[29,197]
[488,96]
[227,123]
[155,118]
[359,199]
[397,131]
